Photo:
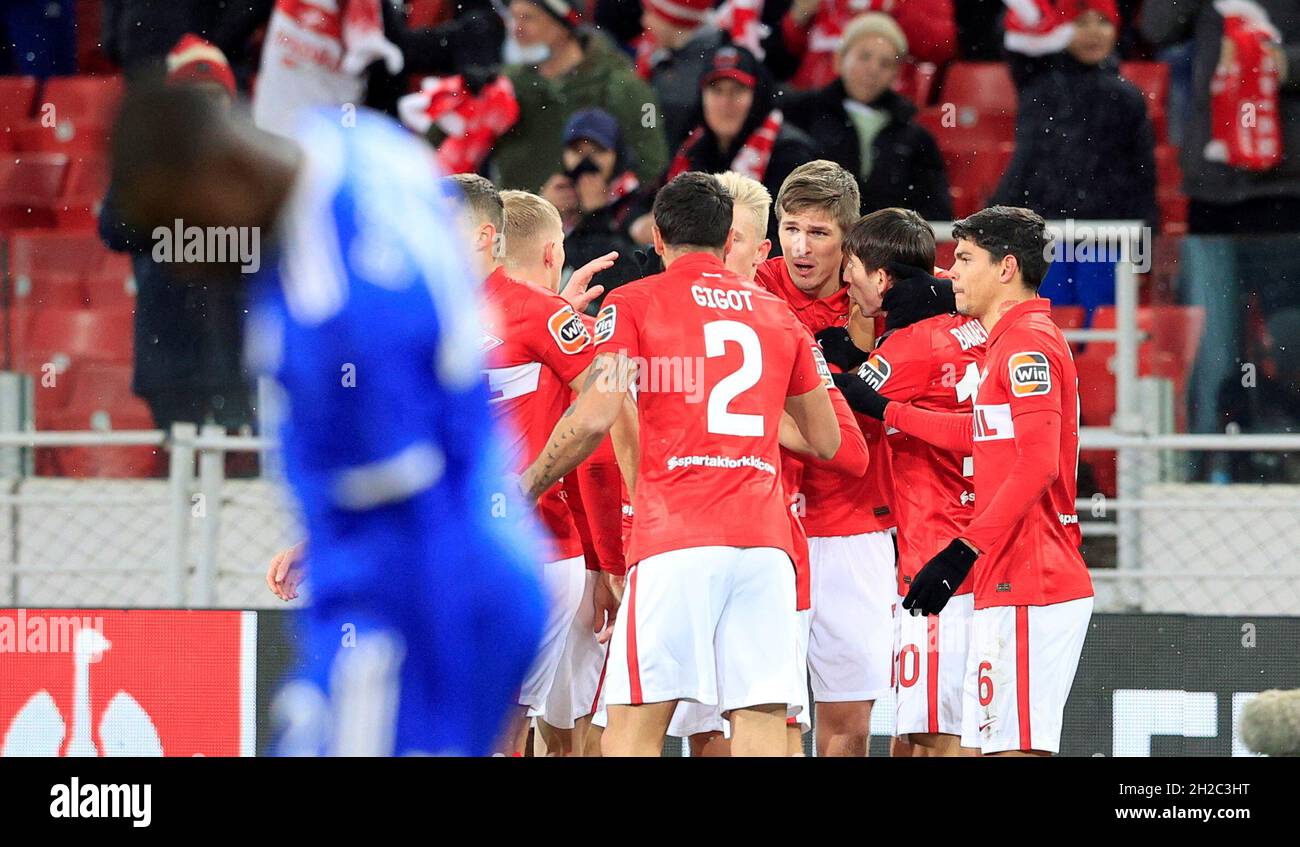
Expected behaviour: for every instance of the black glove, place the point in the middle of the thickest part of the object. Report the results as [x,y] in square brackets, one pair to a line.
[839,349]
[476,78]
[936,582]
[862,398]
[915,295]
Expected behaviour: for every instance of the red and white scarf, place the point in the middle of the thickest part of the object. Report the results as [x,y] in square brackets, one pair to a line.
[471,123]
[1244,128]
[739,18]
[315,54]
[752,158]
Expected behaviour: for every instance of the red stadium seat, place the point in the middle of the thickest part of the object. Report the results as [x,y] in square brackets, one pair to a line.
[1152,78]
[109,289]
[83,193]
[69,137]
[62,336]
[17,97]
[30,185]
[1174,334]
[984,99]
[55,290]
[1068,317]
[39,252]
[84,99]
[100,400]
[976,170]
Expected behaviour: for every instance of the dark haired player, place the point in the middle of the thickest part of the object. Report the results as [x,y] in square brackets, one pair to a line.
[1033,595]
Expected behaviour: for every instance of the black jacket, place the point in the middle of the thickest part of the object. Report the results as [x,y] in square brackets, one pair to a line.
[188,337]
[597,233]
[1085,147]
[907,168]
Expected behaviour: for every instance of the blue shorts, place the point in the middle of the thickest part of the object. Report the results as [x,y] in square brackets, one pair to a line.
[414,666]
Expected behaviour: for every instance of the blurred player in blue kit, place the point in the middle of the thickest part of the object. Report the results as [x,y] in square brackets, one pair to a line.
[425,613]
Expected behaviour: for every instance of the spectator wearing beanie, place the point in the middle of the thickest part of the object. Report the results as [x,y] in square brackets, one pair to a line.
[685,40]
[188,338]
[598,197]
[564,67]
[868,129]
[803,44]
[738,126]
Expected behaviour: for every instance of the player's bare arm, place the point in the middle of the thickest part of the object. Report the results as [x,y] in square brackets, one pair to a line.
[579,431]
[815,421]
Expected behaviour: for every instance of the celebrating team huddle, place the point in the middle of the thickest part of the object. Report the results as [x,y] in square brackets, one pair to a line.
[751,494]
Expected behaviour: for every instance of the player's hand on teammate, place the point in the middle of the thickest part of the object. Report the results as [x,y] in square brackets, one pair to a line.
[607,599]
[578,291]
[934,585]
[286,572]
[862,398]
[839,349]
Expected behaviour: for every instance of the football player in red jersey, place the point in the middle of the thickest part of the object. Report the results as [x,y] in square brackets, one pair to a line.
[851,628]
[1033,595]
[709,613]
[534,251]
[929,356]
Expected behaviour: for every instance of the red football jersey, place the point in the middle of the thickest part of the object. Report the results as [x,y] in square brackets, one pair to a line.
[834,504]
[933,364]
[717,357]
[1027,368]
[535,345]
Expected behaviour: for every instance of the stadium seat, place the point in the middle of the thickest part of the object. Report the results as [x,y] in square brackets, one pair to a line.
[976,170]
[983,98]
[1068,317]
[1173,336]
[100,400]
[52,290]
[17,98]
[916,82]
[30,185]
[63,336]
[35,253]
[69,137]
[83,193]
[84,99]
[1152,78]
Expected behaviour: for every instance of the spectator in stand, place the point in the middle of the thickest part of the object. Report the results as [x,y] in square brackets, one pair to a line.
[867,128]
[598,197]
[686,40]
[566,67]
[1085,145]
[738,126]
[803,44]
[138,34]
[188,338]
[1224,198]
[1242,179]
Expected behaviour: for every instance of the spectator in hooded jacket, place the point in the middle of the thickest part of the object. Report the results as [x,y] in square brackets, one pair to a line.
[1085,146]
[738,126]
[867,128]
[685,40]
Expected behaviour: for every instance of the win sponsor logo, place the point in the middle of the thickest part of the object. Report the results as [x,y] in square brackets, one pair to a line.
[93,800]
[1030,374]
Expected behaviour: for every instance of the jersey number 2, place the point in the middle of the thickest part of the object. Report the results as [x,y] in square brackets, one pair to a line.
[716,336]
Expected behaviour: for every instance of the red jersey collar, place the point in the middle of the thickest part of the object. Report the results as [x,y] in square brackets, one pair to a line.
[1018,311]
[697,263]
[836,303]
